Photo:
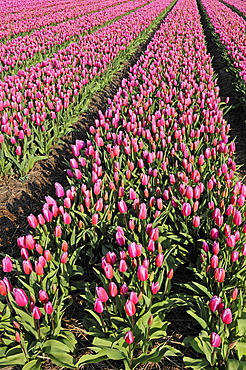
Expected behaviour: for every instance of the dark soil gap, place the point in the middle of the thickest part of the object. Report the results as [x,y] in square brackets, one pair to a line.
[236,116]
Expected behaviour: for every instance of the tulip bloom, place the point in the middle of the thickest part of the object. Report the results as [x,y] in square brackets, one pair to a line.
[109,272]
[3,288]
[214,303]
[98,306]
[129,338]
[112,289]
[122,207]
[142,273]
[219,274]
[7,264]
[155,288]
[122,266]
[226,316]
[32,220]
[142,215]
[102,294]
[20,297]
[36,313]
[186,209]
[215,340]
[130,308]
[43,296]
[48,308]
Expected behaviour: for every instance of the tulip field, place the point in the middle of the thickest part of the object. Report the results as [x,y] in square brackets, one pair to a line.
[148,222]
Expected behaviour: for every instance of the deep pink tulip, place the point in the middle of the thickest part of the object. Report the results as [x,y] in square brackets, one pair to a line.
[48,308]
[129,338]
[113,289]
[122,266]
[132,250]
[237,219]
[122,207]
[142,215]
[234,256]
[43,296]
[219,274]
[215,340]
[58,231]
[214,303]
[36,313]
[32,220]
[20,297]
[231,241]
[124,289]
[111,258]
[27,267]
[196,221]
[98,306]
[186,209]
[142,273]
[214,261]
[130,308]
[59,190]
[64,257]
[155,287]
[226,316]
[7,264]
[109,272]
[214,233]
[102,294]
[134,297]
[159,259]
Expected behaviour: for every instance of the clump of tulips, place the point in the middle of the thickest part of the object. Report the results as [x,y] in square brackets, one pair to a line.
[129,309]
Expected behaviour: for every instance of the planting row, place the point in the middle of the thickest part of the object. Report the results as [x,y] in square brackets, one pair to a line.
[230,28]
[37,104]
[153,185]
[238,5]
[35,10]
[27,50]
[9,29]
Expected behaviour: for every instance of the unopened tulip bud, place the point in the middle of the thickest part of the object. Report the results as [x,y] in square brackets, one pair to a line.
[48,308]
[20,297]
[7,264]
[130,308]
[170,274]
[113,290]
[234,294]
[214,303]
[98,306]
[64,257]
[226,316]
[17,337]
[215,340]
[129,338]
[102,294]
[134,297]
[43,296]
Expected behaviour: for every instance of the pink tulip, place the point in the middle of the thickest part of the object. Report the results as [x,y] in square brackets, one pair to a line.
[155,287]
[48,308]
[215,340]
[32,220]
[134,297]
[122,207]
[113,290]
[130,308]
[20,297]
[109,272]
[142,211]
[142,273]
[129,338]
[7,264]
[214,303]
[186,209]
[43,296]
[226,316]
[36,313]
[102,294]
[98,306]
